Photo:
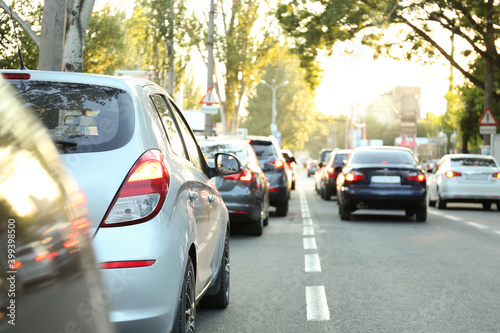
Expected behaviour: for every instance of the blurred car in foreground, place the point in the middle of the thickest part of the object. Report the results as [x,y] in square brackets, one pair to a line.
[245,194]
[382,178]
[333,166]
[465,178]
[274,165]
[292,165]
[37,194]
[157,220]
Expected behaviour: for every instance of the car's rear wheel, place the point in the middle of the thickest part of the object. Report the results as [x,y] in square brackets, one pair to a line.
[421,214]
[221,299]
[432,203]
[327,194]
[441,203]
[345,213]
[293,185]
[282,208]
[187,307]
[409,212]
[486,205]
[256,226]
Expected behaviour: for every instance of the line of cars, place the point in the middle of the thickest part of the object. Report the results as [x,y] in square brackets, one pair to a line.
[392,178]
[159,211]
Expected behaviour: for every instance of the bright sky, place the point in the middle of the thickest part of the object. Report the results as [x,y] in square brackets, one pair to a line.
[349,78]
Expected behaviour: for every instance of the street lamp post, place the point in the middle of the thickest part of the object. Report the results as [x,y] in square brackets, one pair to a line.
[274,127]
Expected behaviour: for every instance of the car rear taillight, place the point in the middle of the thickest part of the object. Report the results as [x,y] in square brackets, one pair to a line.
[331,172]
[245,176]
[451,174]
[126,264]
[354,176]
[277,163]
[16,76]
[143,192]
[416,177]
[496,175]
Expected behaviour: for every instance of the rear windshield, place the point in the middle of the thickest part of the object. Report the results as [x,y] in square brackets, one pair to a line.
[340,158]
[211,148]
[80,118]
[263,149]
[472,161]
[379,156]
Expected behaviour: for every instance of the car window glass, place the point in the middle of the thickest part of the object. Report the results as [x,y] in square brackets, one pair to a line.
[263,150]
[169,125]
[191,145]
[340,158]
[472,161]
[80,117]
[211,148]
[378,156]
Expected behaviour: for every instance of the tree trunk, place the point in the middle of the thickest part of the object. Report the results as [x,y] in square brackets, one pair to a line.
[489,41]
[79,12]
[52,35]
[170,49]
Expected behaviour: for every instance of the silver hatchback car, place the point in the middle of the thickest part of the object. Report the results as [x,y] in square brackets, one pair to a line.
[160,227]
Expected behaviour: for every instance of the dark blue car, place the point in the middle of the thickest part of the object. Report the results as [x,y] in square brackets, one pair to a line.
[382,178]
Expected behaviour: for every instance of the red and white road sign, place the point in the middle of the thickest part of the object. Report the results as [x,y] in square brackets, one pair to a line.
[209,98]
[487,119]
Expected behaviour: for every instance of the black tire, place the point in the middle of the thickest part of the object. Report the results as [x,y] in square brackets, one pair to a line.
[282,208]
[441,204]
[327,194]
[421,214]
[186,317]
[432,203]
[345,213]
[498,205]
[220,300]
[293,185]
[409,212]
[486,205]
[256,226]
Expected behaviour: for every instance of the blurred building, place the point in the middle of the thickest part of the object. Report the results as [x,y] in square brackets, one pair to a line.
[400,105]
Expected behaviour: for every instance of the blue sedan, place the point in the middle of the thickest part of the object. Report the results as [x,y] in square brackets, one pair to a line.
[382,178]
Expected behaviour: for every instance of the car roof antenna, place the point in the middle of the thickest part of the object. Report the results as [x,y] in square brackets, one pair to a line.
[21,66]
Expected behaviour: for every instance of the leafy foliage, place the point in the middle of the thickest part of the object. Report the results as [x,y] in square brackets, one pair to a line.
[9,58]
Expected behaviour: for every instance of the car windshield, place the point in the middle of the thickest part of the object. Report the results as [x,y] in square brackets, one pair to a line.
[340,158]
[382,156]
[80,117]
[211,148]
[263,149]
[472,161]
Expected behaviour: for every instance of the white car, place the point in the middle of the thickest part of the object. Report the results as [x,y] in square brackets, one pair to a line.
[159,225]
[465,178]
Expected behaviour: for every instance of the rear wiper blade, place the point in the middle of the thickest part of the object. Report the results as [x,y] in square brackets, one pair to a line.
[66,144]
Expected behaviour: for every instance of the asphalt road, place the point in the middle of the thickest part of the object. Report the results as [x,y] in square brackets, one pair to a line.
[379,272]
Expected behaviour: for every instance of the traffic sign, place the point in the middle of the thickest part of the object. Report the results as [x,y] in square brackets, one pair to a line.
[487,130]
[209,98]
[487,119]
[208,109]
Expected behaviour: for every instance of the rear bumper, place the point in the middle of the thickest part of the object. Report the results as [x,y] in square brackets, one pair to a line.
[470,193]
[373,198]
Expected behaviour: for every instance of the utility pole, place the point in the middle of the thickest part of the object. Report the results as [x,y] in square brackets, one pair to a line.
[210,63]
[274,127]
[170,49]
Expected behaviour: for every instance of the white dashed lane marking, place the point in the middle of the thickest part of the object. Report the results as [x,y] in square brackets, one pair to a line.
[317,306]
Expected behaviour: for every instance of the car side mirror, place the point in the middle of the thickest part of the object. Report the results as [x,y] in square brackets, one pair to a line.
[226,164]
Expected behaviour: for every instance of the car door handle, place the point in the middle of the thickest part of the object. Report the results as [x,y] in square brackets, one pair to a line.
[211,198]
[192,195]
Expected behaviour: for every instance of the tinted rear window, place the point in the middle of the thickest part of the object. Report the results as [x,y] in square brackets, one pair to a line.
[211,148]
[379,156]
[263,149]
[469,161]
[79,117]
[340,158]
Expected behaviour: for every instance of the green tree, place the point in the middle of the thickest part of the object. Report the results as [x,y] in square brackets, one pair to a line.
[297,116]
[429,126]
[192,93]
[9,57]
[319,24]
[105,41]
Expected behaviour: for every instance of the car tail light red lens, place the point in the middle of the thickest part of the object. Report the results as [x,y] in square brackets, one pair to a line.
[245,176]
[496,175]
[331,172]
[451,174]
[354,176]
[126,264]
[277,163]
[16,76]
[416,177]
[143,192]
